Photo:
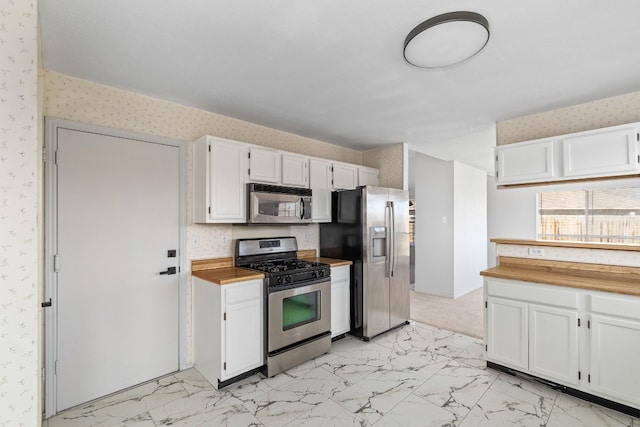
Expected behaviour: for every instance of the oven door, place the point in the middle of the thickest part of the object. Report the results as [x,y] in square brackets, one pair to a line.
[276,208]
[298,313]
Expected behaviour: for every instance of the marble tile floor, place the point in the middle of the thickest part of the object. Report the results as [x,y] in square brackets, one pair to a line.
[418,375]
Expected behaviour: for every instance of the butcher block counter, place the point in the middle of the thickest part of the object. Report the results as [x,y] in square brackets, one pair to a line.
[583,275]
[311,256]
[222,272]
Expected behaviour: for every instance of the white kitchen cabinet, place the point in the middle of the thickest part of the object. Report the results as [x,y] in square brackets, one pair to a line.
[604,152]
[228,329]
[525,162]
[264,165]
[368,176]
[586,340]
[615,348]
[219,171]
[345,176]
[534,328]
[320,183]
[295,170]
[553,343]
[340,294]
[507,334]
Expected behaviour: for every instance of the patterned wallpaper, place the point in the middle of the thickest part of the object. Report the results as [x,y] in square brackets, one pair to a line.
[598,114]
[394,171]
[19,297]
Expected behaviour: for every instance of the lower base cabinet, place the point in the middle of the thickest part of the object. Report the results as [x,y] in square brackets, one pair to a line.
[586,340]
[228,328]
[340,294]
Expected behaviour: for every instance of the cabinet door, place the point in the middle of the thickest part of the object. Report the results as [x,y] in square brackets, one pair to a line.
[340,300]
[507,332]
[526,162]
[227,166]
[368,176]
[553,343]
[320,184]
[345,176]
[615,351]
[243,337]
[264,165]
[295,170]
[603,153]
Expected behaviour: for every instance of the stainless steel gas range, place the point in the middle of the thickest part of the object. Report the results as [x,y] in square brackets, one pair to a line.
[298,301]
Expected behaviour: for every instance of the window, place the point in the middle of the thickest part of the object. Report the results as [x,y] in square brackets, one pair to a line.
[610,215]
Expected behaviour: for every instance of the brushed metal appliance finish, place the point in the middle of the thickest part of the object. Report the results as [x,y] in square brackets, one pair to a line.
[279,338]
[294,356]
[399,279]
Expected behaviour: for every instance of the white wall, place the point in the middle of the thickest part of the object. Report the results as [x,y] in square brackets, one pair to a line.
[470,228]
[434,239]
[451,226]
[512,211]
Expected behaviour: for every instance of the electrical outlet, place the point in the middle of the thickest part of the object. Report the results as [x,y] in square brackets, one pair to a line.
[306,236]
[224,240]
[536,251]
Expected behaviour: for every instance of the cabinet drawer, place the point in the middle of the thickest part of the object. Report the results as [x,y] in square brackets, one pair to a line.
[339,274]
[534,293]
[242,291]
[620,306]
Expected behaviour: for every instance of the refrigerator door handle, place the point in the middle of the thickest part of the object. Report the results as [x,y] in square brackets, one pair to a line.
[392,233]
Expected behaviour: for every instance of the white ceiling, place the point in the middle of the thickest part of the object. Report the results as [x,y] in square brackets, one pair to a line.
[334,70]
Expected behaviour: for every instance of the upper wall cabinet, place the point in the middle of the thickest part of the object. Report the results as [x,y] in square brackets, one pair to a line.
[600,153]
[219,171]
[295,170]
[320,184]
[264,165]
[345,176]
[368,176]
[525,162]
[604,153]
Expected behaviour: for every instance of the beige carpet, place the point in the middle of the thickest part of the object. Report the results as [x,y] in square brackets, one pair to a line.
[464,315]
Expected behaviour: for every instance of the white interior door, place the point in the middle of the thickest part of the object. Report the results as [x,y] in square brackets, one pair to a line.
[117,218]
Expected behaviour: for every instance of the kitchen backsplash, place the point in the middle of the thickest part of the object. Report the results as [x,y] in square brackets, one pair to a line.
[598,114]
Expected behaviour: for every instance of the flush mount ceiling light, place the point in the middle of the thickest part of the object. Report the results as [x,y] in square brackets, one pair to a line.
[446,39]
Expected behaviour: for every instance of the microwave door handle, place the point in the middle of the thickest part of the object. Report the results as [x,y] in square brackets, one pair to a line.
[302,208]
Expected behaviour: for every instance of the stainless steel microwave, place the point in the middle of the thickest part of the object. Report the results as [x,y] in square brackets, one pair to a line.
[274,204]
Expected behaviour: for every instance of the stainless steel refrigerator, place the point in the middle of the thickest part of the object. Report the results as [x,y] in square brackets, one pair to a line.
[370,226]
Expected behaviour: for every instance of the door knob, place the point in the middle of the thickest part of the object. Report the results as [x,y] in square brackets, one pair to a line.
[170,270]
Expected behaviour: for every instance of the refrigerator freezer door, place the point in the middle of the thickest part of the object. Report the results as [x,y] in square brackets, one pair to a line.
[399,281]
[374,281]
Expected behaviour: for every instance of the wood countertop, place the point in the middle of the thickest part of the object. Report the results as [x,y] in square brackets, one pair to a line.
[564,244]
[594,277]
[222,272]
[311,256]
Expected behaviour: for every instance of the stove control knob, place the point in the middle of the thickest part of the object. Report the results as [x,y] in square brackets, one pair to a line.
[321,273]
[287,279]
[279,280]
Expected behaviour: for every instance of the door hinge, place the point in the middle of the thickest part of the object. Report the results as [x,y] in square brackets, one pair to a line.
[224,366]
[249,155]
[55,158]
[486,347]
[589,378]
[209,210]
[209,147]
[578,323]
[496,158]
[44,375]
[637,136]
[224,316]
[55,368]
[249,171]
[486,304]
[56,263]
[44,154]
[588,324]
[579,375]
[46,304]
